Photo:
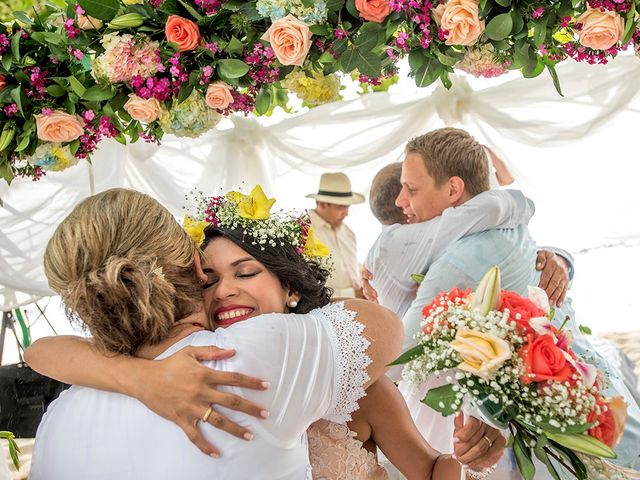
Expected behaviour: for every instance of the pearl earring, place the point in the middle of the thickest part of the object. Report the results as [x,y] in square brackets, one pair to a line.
[293,303]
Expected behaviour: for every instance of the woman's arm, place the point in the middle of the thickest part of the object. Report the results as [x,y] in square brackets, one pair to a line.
[178,388]
[384,413]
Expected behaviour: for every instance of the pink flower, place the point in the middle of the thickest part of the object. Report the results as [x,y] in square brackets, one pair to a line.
[600,30]
[143,110]
[373,10]
[219,95]
[461,21]
[290,39]
[59,127]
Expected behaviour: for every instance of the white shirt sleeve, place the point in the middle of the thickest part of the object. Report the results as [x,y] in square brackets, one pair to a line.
[316,365]
[401,250]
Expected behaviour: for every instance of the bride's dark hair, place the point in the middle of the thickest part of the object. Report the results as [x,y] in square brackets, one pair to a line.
[305,277]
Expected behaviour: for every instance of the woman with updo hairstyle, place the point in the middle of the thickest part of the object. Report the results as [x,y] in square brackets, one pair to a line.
[127,270]
[128,282]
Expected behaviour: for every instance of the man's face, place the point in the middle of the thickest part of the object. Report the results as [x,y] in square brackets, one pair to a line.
[332,213]
[420,198]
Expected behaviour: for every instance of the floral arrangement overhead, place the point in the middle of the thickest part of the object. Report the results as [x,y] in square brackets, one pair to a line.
[507,363]
[129,69]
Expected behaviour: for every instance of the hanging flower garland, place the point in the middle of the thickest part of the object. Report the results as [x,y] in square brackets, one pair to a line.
[136,69]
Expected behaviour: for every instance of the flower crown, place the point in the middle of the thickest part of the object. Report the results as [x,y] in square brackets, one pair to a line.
[252,214]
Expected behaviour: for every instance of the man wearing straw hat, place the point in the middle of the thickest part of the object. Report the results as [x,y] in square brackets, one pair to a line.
[333,199]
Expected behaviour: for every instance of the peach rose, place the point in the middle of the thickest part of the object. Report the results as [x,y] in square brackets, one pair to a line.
[3,82]
[59,127]
[600,30]
[373,10]
[219,95]
[146,111]
[482,353]
[290,39]
[460,19]
[183,32]
[618,408]
[85,22]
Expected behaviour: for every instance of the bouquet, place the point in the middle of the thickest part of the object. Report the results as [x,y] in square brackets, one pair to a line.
[520,373]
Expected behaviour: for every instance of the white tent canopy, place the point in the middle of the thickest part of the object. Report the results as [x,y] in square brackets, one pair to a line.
[576,156]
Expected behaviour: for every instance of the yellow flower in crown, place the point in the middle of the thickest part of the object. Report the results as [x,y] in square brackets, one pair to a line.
[255,206]
[313,247]
[194,228]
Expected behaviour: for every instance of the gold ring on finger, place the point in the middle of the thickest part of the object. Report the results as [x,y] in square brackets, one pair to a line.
[209,411]
[489,442]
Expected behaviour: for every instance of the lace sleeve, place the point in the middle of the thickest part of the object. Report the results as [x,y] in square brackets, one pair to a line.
[351,360]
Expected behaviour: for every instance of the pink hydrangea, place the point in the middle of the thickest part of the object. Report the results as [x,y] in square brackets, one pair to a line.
[125,57]
[482,62]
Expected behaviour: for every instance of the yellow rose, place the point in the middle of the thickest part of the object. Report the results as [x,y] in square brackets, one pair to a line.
[482,353]
[255,206]
[195,229]
[313,247]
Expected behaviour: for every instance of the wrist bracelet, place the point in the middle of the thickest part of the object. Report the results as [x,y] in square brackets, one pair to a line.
[481,474]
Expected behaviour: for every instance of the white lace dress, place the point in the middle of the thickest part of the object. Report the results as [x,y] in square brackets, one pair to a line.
[316,364]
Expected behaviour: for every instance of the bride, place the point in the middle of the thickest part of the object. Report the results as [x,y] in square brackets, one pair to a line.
[243,278]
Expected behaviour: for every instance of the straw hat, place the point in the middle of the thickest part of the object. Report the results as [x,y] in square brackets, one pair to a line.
[336,188]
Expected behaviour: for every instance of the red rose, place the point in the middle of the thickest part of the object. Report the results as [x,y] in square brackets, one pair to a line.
[604,430]
[520,309]
[545,361]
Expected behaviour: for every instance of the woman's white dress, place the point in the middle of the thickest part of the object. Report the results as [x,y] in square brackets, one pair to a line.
[316,364]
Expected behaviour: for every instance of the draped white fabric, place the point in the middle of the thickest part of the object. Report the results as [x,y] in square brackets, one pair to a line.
[576,156]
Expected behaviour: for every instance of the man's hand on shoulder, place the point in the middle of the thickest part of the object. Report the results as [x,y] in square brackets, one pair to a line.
[367,290]
[555,276]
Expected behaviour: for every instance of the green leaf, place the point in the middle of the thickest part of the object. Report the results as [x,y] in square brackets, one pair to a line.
[7,61]
[77,87]
[446,59]
[335,5]
[6,172]
[326,57]
[539,32]
[24,143]
[98,93]
[320,30]
[518,22]
[364,61]
[351,8]
[409,355]
[74,147]
[533,69]
[264,100]
[523,457]
[103,9]
[629,24]
[16,96]
[503,3]
[428,73]
[235,46]
[417,277]
[499,27]
[15,46]
[542,455]
[192,11]
[441,400]
[185,91]
[584,330]
[446,81]
[120,139]
[22,17]
[554,77]
[232,68]
[367,40]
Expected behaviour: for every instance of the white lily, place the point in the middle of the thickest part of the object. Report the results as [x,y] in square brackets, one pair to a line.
[588,372]
[487,295]
[539,298]
[541,325]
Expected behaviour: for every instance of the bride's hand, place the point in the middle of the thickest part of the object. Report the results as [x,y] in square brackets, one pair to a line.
[476,444]
[181,389]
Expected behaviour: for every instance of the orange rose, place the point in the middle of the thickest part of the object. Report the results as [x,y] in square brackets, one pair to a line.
[142,110]
[600,30]
[59,127]
[290,39]
[373,10]
[182,32]
[85,22]
[460,19]
[219,95]
[544,361]
[3,82]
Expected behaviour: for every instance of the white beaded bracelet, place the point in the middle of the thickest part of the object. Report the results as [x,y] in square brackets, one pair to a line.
[482,474]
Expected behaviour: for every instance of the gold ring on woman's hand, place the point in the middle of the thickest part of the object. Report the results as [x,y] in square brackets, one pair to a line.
[209,411]
[485,438]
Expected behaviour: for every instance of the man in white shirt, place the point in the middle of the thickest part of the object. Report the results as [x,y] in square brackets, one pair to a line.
[333,199]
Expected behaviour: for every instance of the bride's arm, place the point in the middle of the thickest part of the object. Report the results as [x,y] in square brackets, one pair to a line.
[393,430]
[177,388]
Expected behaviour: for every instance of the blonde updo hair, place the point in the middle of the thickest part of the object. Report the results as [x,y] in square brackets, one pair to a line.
[123,267]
